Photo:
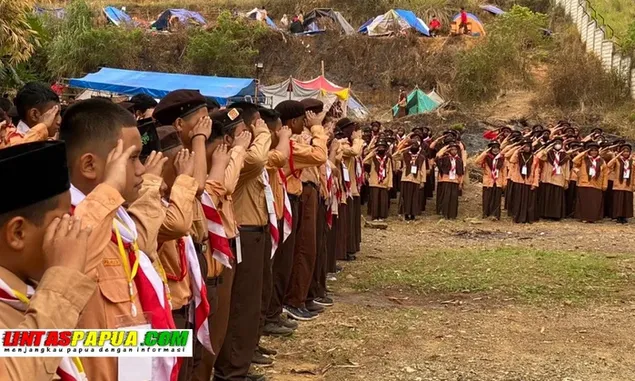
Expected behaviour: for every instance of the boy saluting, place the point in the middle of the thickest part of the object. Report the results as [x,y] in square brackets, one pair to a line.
[42,255]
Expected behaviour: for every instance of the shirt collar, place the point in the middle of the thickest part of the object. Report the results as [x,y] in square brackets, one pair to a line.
[13,281]
[22,127]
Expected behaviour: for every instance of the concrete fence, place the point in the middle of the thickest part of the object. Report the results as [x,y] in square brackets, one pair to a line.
[599,41]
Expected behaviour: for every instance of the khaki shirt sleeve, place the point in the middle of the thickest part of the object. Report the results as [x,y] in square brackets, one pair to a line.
[148,214]
[276,159]
[232,172]
[98,211]
[480,159]
[178,214]
[577,161]
[60,290]
[215,190]
[36,134]
[353,150]
[257,154]
[314,155]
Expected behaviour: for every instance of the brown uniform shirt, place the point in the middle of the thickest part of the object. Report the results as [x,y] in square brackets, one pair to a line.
[57,303]
[618,183]
[349,154]
[12,137]
[249,197]
[199,231]
[275,161]
[306,158]
[597,182]
[514,169]
[111,306]
[225,203]
[374,174]
[547,174]
[406,174]
[177,224]
[488,180]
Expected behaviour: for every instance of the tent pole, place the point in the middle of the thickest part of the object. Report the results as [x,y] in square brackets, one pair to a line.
[322,64]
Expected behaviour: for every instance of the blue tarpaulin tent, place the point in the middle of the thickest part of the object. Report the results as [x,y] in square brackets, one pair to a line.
[394,21]
[183,15]
[157,85]
[493,9]
[117,16]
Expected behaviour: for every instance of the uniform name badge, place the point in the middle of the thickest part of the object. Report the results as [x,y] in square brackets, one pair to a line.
[558,170]
[592,171]
[523,170]
[135,368]
[452,175]
[413,169]
[627,173]
[347,176]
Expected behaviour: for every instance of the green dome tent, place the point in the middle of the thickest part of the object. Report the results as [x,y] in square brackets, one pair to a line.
[418,102]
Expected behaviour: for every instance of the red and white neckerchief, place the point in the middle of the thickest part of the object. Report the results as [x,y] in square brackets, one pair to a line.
[329,198]
[150,288]
[381,171]
[287,213]
[199,315]
[494,171]
[593,169]
[70,369]
[346,175]
[557,168]
[359,172]
[271,211]
[626,164]
[452,173]
[217,237]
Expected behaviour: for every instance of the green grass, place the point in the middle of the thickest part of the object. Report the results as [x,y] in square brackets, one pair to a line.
[526,275]
[617,13]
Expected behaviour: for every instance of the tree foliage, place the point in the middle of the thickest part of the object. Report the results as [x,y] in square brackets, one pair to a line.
[17,39]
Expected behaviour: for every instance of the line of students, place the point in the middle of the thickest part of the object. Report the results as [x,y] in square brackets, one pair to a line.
[218,220]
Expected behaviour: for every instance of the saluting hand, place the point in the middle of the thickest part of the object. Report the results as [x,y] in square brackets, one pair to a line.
[313,119]
[155,162]
[202,127]
[284,132]
[116,166]
[48,119]
[221,156]
[65,243]
[357,134]
[242,140]
[184,163]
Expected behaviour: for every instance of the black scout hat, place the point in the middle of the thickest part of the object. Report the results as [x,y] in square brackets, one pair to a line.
[178,104]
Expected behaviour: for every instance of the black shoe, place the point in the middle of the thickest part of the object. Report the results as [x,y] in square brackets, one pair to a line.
[312,313]
[260,359]
[255,377]
[314,307]
[273,329]
[266,351]
[324,301]
[350,257]
[338,269]
[301,314]
[283,321]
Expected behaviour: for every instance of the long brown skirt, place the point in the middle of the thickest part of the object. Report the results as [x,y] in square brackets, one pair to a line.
[492,201]
[379,203]
[430,184]
[448,200]
[571,198]
[622,204]
[508,197]
[410,198]
[608,200]
[358,224]
[351,242]
[423,199]
[552,202]
[589,204]
[342,232]
[523,204]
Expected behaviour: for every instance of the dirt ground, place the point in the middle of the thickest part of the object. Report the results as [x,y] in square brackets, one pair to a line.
[392,321]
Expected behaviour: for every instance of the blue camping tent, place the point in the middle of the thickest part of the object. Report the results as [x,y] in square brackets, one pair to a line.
[117,16]
[394,21]
[158,85]
[183,15]
[493,9]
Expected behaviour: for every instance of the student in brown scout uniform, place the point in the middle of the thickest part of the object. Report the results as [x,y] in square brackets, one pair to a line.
[572,191]
[413,177]
[450,180]
[38,108]
[380,180]
[344,195]
[91,129]
[305,252]
[522,170]
[592,181]
[492,162]
[554,180]
[352,149]
[623,185]
[43,254]
[305,154]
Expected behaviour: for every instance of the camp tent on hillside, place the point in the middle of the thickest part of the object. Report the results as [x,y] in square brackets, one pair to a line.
[493,9]
[395,21]
[340,100]
[474,25]
[257,14]
[117,16]
[54,12]
[171,16]
[418,102]
[314,21]
[158,85]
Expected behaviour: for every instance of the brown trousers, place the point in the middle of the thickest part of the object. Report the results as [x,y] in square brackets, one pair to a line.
[331,246]
[241,339]
[318,282]
[353,244]
[305,252]
[281,268]
[342,233]
[267,279]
